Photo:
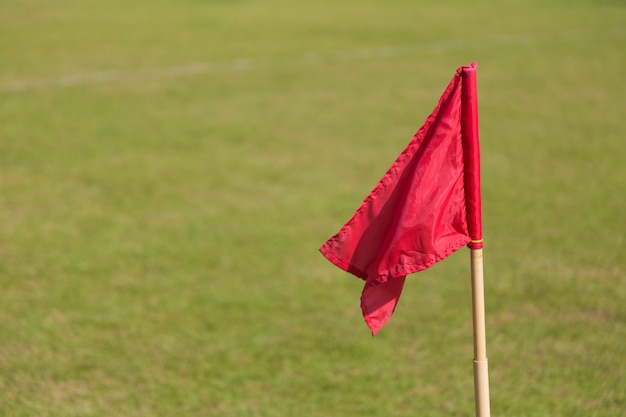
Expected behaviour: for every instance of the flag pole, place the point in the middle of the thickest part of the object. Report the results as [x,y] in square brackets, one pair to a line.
[481,373]
[471,152]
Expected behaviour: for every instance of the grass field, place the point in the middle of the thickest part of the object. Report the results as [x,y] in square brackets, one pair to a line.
[169,170]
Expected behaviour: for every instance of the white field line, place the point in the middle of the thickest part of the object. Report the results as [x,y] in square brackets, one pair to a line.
[308,58]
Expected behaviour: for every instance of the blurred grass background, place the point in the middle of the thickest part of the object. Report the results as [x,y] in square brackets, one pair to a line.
[169,170]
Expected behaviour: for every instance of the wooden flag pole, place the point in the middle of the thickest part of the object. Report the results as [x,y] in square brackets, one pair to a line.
[481,374]
[471,155]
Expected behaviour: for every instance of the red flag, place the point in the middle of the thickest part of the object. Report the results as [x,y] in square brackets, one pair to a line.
[416,215]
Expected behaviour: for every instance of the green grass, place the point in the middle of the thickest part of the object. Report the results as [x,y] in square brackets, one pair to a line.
[159,234]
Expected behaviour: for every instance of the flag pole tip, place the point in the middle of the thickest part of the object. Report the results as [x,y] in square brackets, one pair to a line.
[470,68]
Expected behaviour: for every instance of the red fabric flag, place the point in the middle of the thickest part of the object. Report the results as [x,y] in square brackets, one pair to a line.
[416,215]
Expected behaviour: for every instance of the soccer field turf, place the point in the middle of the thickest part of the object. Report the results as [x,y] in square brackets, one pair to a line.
[169,170]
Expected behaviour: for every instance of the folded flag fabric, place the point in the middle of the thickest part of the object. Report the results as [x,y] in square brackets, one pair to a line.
[415,216]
